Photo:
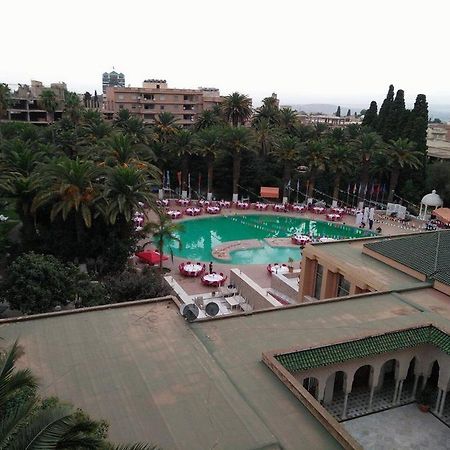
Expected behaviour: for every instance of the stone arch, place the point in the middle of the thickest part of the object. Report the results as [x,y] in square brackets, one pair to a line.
[433,373]
[311,384]
[362,376]
[335,386]
[388,372]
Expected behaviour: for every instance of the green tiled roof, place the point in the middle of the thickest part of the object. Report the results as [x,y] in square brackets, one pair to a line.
[361,348]
[427,253]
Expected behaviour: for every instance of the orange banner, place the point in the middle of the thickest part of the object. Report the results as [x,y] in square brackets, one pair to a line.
[270,192]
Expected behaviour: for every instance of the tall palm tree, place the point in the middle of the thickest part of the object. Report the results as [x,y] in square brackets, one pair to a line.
[183,147]
[288,119]
[236,108]
[72,106]
[209,142]
[5,99]
[269,112]
[315,157]
[70,186]
[127,190]
[287,151]
[122,118]
[166,126]
[164,231]
[341,162]
[236,141]
[265,135]
[367,144]
[49,103]
[401,154]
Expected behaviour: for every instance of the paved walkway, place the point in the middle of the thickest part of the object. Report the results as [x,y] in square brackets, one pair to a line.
[403,428]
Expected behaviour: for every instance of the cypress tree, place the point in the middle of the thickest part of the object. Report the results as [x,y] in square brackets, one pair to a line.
[338,112]
[395,121]
[349,113]
[370,116]
[384,110]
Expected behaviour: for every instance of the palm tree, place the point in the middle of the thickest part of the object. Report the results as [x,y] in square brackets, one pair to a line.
[164,230]
[69,186]
[236,108]
[368,144]
[269,112]
[127,190]
[207,119]
[236,141]
[341,162]
[265,135]
[315,157]
[72,106]
[133,126]
[166,126]
[183,147]
[18,163]
[401,154]
[209,141]
[49,103]
[287,152]
[122,118]
[5,99]
[288,119]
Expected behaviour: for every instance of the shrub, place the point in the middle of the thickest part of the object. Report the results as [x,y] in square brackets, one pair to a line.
[133,285]
[36,283]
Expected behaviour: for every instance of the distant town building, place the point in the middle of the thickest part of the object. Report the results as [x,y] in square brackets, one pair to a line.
[155,97]
[25,105]
[113,79]
[331,120]
[438,140]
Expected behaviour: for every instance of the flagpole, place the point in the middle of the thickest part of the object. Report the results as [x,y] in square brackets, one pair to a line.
[298,182]
[199,186]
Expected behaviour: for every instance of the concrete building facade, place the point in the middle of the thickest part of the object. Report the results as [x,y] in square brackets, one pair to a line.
[155,97]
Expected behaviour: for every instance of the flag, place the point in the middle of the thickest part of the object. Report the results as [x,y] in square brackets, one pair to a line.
[348,188]
[354,189]
[189,181]
[298,184]
[179,178]
[288,186]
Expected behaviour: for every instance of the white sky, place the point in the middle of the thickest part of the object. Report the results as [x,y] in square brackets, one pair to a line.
[317,51]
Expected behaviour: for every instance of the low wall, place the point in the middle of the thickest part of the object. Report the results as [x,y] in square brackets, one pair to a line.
[280,283]
[256,296]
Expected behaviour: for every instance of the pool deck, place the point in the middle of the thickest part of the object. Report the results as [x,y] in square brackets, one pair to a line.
[258,272]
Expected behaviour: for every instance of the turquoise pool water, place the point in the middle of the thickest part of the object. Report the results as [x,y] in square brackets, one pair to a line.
[200,236]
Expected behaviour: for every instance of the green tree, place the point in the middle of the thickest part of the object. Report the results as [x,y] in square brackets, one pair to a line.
[265,135]
[368,144]
[236,108]
[127,190]
[287,152]
[341,162]
[269,111]
[315,157]
[69,186]
[183,146]
[384,113]
[371,116]
[164,231]
[401,155]
[349,113]
[5,99]
[288,120]
[72,106]
[237,141]
[37,283]
[166,127]
[209,142]
[207,119]
[49,103]
[338,112]
[396,119]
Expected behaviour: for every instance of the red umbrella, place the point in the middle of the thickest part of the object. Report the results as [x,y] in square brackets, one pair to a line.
[151,256]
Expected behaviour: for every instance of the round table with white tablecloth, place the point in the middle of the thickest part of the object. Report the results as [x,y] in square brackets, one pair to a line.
[174,214]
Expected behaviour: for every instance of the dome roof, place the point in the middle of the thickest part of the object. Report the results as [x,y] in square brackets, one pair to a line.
[432,199]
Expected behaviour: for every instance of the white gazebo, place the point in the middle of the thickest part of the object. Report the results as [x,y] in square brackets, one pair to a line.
[429,201]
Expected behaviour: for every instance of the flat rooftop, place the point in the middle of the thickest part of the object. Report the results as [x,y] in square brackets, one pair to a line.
[157,378]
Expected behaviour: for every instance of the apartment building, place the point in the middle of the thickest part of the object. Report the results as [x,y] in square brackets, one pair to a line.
[155,97]
[25,103]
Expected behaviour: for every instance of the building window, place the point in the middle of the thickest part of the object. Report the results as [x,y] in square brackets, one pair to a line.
[120,106]
[161,107]
[318,281]
[343,287]
[149,97]
[175,98]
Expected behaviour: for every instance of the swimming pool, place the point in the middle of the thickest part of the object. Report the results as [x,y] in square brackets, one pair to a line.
[200,236]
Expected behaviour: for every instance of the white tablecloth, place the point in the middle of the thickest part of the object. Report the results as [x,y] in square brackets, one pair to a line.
[276,268]
[213,277]
[192,268]
[174,214]
[318,210]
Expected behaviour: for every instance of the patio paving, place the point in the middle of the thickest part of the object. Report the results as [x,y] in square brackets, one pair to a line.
[402,428]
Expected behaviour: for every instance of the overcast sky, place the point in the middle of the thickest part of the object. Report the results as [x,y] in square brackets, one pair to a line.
[338,51]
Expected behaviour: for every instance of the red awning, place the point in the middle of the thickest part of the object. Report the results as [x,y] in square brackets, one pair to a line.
[151,256]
